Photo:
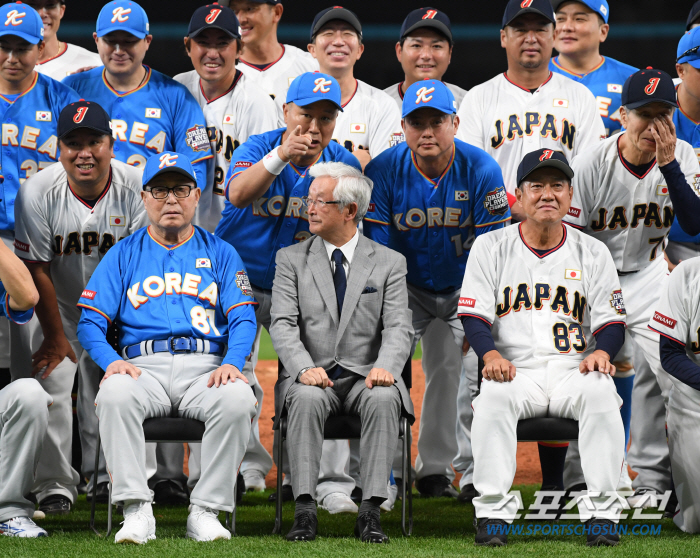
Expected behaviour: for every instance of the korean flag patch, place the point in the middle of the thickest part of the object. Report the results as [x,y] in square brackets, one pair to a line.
[461,195]
[203,262]
[152,113]
[43,116]
[614,88]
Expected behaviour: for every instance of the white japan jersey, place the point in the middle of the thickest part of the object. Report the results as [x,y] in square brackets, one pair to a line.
[243,111]
[54,225]
[631,214]
[69,59]
[541,308]
[508,122]
[277,76]
[369,120]
[395,93]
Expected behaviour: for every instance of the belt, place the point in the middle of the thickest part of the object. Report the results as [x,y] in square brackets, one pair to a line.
[174,346]
[623,273]
[448,290]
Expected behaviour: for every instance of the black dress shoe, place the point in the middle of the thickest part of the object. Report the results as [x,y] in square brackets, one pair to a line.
[368,528]
[287,494]
[467,494]
[356,495]
[102,494]
[55,505]
[304,528]
[602,532]
[170,493]
[490,532]
[436,486]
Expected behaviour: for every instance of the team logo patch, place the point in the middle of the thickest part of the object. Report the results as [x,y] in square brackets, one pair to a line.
[574,211]
[617,303]
[211,18]
[662,190]
[203,262]
[152,113]
[322,85]
[167,160]
[228,119]
[461,195]
[396,139]
[120,14]
[90,295]
[696,184]
[21,245]
[468,302]
[561,103]
[430,14]
[357,129]
[117,221]
[653,84]
[614,88]
[244,164]
[603,9]
[423,95]
[197,138]
[670,323]
[44,116]
[496,201]
[572,274]
[80,114]
[371,207]
[243,283]
[14,18]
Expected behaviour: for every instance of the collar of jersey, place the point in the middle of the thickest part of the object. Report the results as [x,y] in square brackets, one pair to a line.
[236,78]
[36,77]
[298,169]
[148,230]
[269,65]
[548,252]
[102,195]
[145,82]
[505,75]
[680,108]
[353,94]
[60,53]
[622,160]
[555,61]
[435,183]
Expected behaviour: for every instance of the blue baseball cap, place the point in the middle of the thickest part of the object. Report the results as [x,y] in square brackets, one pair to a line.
[598,6]
[168,161]
[430,93]
[122,15]
[688,48]
[517,8]
[312,87]
[22,21]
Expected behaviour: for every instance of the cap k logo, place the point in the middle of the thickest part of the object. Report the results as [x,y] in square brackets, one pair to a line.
[14,17]
[120,14]
[322,85]
[211,18]
[167,160]
[423,95]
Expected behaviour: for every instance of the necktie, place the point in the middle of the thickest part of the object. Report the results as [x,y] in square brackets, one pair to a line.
[339,279]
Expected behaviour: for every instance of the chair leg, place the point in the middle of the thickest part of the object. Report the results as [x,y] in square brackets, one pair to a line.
[280,464]
[94,488]
[406,492]
[231,521]
[109,510]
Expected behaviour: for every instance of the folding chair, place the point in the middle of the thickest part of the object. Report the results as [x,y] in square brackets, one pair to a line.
[349,427]
[167,429]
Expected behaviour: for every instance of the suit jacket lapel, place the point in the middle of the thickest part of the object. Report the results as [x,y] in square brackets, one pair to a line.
[320,267]
[360,269]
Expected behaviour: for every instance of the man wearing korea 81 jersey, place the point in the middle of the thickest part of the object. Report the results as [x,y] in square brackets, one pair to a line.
[151,113]
[432,195]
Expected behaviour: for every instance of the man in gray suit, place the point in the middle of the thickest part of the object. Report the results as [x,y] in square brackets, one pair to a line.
[342,328]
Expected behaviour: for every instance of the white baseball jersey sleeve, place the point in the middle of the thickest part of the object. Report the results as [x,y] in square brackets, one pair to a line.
[508,122]
[370,120]
[69,59]
[243,111]
[541,308]
[276,77]
[54,225]
[395,93]
[631,214]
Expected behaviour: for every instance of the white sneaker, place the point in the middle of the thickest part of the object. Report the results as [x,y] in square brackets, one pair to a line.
[337,502]
[625,482]
[644,498]
[254,481]
[21,527]
[203,525]
[139,524]
[388,504]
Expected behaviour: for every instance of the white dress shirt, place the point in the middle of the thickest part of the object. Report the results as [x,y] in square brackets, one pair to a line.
[348,249]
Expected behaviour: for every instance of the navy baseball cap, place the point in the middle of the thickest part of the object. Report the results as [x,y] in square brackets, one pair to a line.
[22,21]
[517,8]
[693,15]
[312,87]
[83,114]
[214,16]
[122,15]
[688,48]
[598,6]
[429,93]
[543,158]
[168,161]
[335,12]
[648,86]
[427,17]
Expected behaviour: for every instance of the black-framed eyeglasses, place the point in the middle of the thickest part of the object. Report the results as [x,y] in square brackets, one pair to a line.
[688,53]
[308,202]
[161,192]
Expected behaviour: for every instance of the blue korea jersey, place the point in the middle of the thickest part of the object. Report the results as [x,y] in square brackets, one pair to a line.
[14,315]
[198,288]
[278,218]
[433,221]
[687,130]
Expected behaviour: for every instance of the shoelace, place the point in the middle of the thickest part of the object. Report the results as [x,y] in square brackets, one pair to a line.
[372,520]
[140,514]
[304,520]
[209,515]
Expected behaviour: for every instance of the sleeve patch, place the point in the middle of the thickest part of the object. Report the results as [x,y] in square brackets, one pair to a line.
[23,246]
[696,183]
[496,201]
[90,295]
[574,212]
[243,164]
[197,138]
[396,139]
[371,208]
[670,323]
[467,302]
[617,303]
[243,283]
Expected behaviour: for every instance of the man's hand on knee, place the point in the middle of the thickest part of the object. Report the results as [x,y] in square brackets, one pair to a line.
[597,360]
[379,377]
[223,374]
[497,368]
[121,367]
[316,377]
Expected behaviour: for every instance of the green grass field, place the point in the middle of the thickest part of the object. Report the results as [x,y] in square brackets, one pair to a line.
[441,528]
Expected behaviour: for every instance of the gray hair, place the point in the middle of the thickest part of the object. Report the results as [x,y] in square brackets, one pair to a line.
[351,185]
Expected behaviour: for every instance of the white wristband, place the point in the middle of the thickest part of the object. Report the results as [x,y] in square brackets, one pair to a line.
[274,163]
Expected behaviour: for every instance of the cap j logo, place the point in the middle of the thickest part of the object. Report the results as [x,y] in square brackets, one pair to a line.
[120,14]
[430,14]
[167,160]
[547,154]
[211,18]
[322,85]
[423,95]
[651,88]
[78,118]
[14,17]
[526,3]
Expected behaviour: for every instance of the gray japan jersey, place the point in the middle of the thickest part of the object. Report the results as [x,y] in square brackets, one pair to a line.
[54,225]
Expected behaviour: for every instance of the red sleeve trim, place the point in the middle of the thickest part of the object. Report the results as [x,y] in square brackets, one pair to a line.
[100,312]
[601,328]
[666,336]
[467,315]
[239,304]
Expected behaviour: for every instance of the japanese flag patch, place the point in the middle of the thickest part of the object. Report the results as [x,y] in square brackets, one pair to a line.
[203,262]
[662,190]
[152,113]
[243,283]
[228,119]
[561,103]
[357,128]
[573,274]
[43,116]
[117,221]
[461,195]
